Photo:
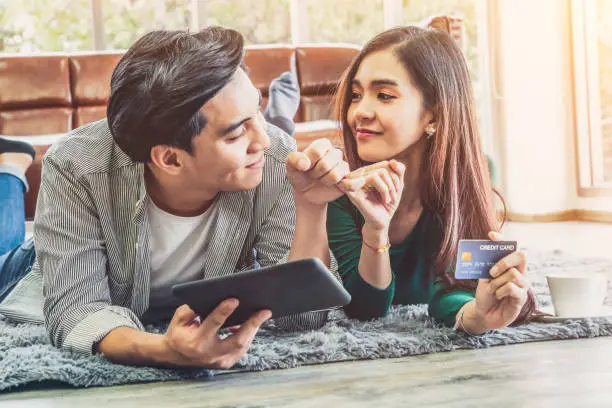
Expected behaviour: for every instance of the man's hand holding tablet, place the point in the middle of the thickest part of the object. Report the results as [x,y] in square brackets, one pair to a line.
[190,342]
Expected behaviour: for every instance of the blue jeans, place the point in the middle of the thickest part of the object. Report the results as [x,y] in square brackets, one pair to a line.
[16,256]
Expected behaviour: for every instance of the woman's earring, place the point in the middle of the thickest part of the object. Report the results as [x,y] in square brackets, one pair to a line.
[430,130]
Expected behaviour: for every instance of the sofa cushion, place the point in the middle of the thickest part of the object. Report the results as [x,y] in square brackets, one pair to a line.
[321,67]
[87,114]
[267,63]
[90,76]
[36,121]
[41,81]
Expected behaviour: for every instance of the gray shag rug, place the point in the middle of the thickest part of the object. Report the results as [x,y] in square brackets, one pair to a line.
[27,359]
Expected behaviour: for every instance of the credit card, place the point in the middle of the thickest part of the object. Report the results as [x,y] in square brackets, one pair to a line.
[475,257]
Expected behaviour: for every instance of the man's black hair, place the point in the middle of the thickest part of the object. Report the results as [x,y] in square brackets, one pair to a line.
[161,83]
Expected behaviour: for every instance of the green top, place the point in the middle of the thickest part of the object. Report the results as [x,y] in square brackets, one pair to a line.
[411,283]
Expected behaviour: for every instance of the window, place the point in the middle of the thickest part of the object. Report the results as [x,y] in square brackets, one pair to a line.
[259,21]
[67,25]
[468,18]
[592,45]
[347,21]
[126,20]
[45,25]
[604,50]
[418,10]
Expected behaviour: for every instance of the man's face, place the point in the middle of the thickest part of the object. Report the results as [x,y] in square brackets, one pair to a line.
[228,155]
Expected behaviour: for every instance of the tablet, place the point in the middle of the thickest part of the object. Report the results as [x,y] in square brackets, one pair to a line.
[286,289]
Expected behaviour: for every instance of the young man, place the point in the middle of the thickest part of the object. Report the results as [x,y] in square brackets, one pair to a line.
[183,181]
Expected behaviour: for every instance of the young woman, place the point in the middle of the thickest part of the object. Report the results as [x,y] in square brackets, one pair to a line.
[419,184]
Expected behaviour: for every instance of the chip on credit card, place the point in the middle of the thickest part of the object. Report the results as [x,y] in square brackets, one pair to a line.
[476,257]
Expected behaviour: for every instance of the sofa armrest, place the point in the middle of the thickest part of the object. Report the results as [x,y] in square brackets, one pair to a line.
[308,132]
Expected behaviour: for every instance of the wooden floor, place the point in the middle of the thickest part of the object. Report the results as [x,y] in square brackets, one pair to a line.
[575,373]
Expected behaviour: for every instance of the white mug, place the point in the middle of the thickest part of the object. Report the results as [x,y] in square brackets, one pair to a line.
[577,294]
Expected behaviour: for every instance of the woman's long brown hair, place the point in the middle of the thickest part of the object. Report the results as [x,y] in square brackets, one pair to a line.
[454,184]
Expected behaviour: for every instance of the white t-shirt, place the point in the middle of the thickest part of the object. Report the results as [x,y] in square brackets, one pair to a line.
[177,247]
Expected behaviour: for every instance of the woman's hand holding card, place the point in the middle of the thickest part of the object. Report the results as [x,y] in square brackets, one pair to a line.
[499,300]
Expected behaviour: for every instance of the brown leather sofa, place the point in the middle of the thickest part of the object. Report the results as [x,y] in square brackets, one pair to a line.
[55,93]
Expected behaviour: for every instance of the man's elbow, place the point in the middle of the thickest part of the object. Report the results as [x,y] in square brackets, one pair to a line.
[354,311]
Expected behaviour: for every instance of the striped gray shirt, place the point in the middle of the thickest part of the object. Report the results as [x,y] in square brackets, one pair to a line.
[92,239]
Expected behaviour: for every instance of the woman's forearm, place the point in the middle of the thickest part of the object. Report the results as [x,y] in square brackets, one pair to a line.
[375,266]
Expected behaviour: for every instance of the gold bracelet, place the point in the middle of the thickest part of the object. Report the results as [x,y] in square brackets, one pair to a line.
[462,327]
[380,250]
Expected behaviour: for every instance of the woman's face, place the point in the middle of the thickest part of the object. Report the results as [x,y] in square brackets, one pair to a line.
[386,114]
